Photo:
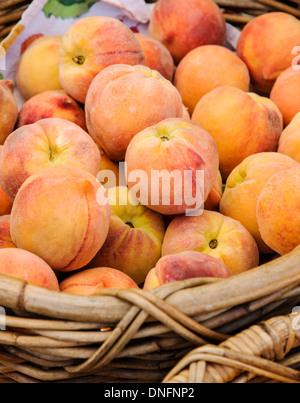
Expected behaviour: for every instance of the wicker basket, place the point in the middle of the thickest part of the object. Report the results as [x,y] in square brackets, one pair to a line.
[199,330]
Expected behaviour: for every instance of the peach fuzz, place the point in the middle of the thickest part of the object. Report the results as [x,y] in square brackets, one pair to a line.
[184,25]
[37,69]
[51,104]
[183,266]
[24,265]
[244,186]
[278,212]
[5,202]
[289,142]
[214,234]
[46,143]
[266,46]
[206,68]
[135,236]
[5,237]
[213,201]
[176,147]
[91,281]
[241,124]
[90,45]
[124,100]
[56,216]
[8,109]
[286,94]
[157,56]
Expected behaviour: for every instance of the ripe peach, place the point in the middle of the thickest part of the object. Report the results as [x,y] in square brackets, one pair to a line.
[90,45]
[241,124]
[244,186]
[21,264]
[206,68]
[37,70]
[124,100]
[5,237]
[289,142]
[286,94]
[186,24]
[185,265]
[215,195]
[135,237]
[112,167]
[214,234]
[46,143]
[52,104]
[172,155]
[278,212]
[91,281]
[266,44]
[5,202]
[56,215]
[157,56]
[8,109]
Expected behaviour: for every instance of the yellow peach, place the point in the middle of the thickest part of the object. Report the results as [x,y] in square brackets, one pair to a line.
[289,142]
[8,109]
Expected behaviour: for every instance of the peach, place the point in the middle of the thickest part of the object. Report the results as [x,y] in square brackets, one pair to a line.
[157,56]
[123,100]
[183,266]
[90,45]
[107,165]
[8,109]
[37,70]
[278,212]
[178,163]
[91,281]
[24,265]
[241,124]
[183,25]
[206,68]
[266,44]
[5,202]
[46,143]
[286,94]
[56,215]
[244,186]
[5,237]
[51,104]
[215,195]
[289,142]
[214,234]
[135,236]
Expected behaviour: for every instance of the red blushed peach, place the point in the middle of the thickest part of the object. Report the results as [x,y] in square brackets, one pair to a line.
[289,142]
[46,143]
[266,46]
[51,104]
[37,70]
[124,100]
[216,235]
[286,94]
[5,237]
[157,56]
[8,109]
[206,68]
[89,46]
[135,236]
[91,281]
[183,25]
[5,202]
[56,215]
[213,201]
[278,212]
[183,266]
[172,157]
[24,265]
[244,185]
[241,124]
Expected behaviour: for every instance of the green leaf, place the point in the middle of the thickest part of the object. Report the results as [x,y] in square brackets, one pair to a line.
[67,8]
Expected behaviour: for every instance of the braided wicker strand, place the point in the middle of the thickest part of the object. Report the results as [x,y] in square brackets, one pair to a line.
[252,351]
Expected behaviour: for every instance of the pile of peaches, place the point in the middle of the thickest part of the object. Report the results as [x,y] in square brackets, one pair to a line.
[175,100]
